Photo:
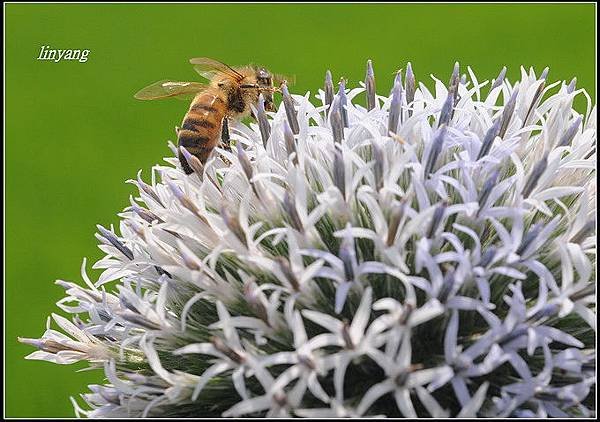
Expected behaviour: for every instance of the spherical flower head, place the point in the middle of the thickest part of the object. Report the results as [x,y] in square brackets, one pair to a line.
[426,254]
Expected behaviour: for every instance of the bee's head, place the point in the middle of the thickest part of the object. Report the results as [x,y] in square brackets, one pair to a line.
[264,79]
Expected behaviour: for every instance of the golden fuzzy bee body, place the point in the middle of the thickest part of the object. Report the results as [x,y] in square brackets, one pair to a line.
[200,131]
[228,96]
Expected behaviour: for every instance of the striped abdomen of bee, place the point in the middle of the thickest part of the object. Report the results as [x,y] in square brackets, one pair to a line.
[200,131]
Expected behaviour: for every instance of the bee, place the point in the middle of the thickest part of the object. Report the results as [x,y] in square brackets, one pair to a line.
[227,96]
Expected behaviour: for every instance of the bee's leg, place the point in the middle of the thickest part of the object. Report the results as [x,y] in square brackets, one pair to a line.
[225,140]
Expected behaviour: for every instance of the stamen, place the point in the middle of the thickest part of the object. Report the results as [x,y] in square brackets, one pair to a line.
[263,122]
[438,216]
[585,231]
[410,87]
[406,313]
[233,224]
[226,350]
[535,175]
[145,214]
[570,133]
[588,290]
[343,102]
[244,162]
[290,111]
[378,167]
[328,91]
[487,257]
[370,86]
[290,142]
[346,335]
[395,217]
[191,261]
[192,161]
[436,148]
[488,139]
[286,269]
[445,113]
[499,79]
[547,310]
[185,200]
[455,80]
[447,285]
[250,294]
[339,178]
[289,205]
[336,121]
[455,77]
[395,108]
[513,335]
[537,96]
[508,112]
[529,237]
[148,190]
[572,85]
[488,186]
[110,237]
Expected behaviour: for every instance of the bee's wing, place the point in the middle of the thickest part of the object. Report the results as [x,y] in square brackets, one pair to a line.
[208,68]
[167,88]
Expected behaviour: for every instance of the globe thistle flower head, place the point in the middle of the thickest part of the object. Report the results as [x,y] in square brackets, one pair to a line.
[426,254]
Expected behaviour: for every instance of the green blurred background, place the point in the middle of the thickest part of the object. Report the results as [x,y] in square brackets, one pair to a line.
[74,133]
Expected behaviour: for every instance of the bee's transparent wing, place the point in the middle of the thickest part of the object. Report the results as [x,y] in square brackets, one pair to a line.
[208,68]
[167,88]
[278,79]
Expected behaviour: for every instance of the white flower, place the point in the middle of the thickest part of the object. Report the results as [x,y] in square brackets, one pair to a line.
[402,377]
[430,253]
[59,348]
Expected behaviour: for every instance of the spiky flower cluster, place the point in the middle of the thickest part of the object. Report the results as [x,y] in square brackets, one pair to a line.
[430,254]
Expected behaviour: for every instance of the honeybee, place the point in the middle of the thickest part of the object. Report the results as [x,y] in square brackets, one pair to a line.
[228,95]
